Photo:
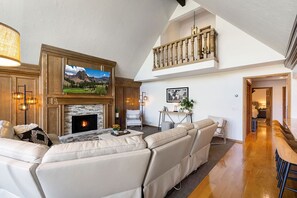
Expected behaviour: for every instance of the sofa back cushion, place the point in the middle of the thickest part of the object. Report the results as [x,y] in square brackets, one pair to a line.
[117,175]
[203,123]
[186,125]
[161,138]
[23,151]
[6,129]
[203,137]
[77,150]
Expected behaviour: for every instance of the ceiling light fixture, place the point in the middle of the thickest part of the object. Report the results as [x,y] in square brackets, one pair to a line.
[194,28]
[9,46]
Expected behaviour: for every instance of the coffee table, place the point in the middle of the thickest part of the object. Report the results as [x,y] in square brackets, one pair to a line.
[107,136]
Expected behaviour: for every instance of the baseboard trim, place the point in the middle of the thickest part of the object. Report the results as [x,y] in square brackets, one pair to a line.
[236,141]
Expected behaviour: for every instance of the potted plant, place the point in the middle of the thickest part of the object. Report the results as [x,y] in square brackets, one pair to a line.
[187,105]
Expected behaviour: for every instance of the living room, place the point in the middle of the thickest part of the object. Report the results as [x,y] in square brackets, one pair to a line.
[119,37]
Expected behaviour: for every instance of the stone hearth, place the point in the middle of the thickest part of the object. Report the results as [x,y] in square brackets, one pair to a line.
[74,110]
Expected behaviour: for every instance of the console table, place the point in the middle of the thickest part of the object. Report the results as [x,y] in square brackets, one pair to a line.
[163,114]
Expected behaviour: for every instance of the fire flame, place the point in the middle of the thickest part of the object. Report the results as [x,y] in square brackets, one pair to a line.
[84,123]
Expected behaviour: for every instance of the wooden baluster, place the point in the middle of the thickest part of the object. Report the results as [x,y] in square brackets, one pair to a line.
[212,43]
[158,57]
[166,60]
[176,53]
[187,55]
[162,56]
[181,52]
[192,48]
[199,47]
[171,54]
[205,47]
[154,55]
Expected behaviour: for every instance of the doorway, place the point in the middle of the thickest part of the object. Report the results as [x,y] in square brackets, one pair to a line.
[265,100]
[262,105]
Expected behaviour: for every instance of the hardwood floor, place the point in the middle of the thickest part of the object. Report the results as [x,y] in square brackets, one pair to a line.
[247,170]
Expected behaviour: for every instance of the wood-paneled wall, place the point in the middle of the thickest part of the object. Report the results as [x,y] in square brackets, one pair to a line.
[127,97]
[53,61]
[10,79]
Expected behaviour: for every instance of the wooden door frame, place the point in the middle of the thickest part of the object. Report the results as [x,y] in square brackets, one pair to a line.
[248,106]
[284,102]
[244,90]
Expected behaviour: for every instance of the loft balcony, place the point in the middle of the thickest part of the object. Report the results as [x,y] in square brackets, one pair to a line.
[189,54]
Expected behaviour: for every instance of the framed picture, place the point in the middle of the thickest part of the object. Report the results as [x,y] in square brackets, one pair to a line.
[175,95]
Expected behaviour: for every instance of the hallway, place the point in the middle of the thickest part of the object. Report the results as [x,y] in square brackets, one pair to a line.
[247,170]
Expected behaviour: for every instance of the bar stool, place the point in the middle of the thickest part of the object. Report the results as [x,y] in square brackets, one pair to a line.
[288,158]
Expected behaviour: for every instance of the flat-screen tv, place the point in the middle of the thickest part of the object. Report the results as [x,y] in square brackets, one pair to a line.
[82,80]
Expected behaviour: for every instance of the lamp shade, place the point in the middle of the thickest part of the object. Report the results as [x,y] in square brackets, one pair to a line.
[9,46]
[18,95]
[23,106]
[31,100]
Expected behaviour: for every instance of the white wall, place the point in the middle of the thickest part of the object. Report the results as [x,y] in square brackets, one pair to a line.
[171,33]
[215,94]
[182,11]
[277,103]
[236,48]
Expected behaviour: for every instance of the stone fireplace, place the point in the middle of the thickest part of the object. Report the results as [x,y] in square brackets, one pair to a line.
[74,113]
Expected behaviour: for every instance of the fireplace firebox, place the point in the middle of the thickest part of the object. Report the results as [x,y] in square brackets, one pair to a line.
[84,123]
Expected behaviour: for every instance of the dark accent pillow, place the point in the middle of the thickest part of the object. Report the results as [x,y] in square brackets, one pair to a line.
[36,135]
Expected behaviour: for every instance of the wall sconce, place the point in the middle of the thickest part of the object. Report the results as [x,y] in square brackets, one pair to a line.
[27,101]
[9,46]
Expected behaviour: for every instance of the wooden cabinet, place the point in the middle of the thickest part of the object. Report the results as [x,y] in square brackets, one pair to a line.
[53,61]
[127,97]
[10,79]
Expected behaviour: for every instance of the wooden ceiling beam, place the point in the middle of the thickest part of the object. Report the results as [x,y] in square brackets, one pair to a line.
[181,2]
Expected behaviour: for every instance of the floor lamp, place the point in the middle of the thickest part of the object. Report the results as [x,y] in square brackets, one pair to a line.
[142,100]
[27,99]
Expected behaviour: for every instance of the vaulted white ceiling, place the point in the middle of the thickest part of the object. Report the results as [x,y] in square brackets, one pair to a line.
[120,30]
[269,21]
[126,30]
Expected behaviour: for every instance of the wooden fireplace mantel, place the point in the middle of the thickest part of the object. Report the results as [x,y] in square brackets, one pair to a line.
[78,100]
[53,100]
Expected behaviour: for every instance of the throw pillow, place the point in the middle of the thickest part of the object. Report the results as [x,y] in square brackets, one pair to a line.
[35,135]
[23,128]
[6,130]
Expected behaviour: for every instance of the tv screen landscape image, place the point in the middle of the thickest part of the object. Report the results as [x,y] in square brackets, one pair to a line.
[85,80]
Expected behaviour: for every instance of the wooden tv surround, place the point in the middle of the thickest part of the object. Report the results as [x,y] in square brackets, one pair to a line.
[53,100]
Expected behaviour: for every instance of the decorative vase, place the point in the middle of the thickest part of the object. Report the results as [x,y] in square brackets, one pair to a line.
[117,115]
[187,111]
[116,132]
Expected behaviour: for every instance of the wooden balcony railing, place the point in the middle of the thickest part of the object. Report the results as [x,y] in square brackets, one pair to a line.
[202,47]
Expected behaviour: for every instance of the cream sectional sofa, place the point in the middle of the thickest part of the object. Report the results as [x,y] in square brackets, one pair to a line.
[119,167]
